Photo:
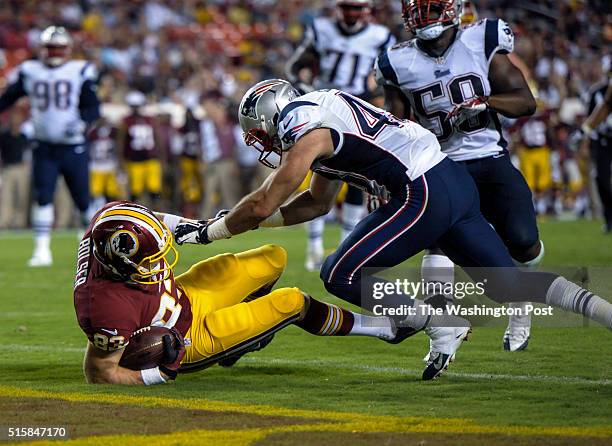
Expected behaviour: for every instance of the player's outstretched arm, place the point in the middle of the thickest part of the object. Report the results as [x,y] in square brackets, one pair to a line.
[510,94]
[312,203]
[600,113]
[102,367]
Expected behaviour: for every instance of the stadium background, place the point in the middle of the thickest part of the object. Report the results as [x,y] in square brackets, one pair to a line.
[203,55]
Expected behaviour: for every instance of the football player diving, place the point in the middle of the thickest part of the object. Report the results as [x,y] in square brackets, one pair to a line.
[339,53]
[432,199]
[220,309]
[63,104]
[456,82]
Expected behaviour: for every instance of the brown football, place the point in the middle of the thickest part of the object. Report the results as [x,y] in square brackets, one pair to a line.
[145,349]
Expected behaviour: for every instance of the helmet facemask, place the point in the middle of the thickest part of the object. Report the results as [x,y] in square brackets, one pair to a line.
[266,145]
[428,19]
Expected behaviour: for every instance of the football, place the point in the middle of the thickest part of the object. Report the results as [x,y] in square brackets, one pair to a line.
[145,349]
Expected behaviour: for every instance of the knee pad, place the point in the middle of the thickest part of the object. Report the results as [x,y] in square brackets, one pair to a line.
[287,300]
[276,255]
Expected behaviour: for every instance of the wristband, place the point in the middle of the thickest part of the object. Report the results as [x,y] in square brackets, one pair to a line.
[171,221]
[217,230]
[152,376]
[273,221]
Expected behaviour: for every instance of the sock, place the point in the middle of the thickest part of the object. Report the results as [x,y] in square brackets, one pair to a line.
[439,271]
[323,319]
[423,318]
[315,235]
[524,320]
[42,221]
[569,296]
[351,215]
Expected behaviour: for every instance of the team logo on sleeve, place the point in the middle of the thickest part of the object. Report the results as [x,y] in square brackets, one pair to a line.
[123,243]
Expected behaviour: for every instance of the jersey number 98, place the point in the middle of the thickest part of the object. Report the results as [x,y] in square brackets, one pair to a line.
[52,93]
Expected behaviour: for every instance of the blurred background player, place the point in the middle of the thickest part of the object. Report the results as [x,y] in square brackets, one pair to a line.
[456,81]
[534,140]
[190,155]
[339,53]
[221,178]
[104,165]
[63,103]
[136,141]
[597,131]
[14,172]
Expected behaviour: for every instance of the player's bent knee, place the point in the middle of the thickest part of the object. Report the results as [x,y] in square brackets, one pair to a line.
[287,300]
[276,255]
[527,252]
[268,261]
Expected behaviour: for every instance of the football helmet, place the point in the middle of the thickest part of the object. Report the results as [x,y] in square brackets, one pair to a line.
[469,14]
[353,14]
[132,244]
[428,19]
[55,46]
[258,116]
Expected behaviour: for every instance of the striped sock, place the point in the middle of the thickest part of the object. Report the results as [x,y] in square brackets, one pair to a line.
[323,319]
[569,296]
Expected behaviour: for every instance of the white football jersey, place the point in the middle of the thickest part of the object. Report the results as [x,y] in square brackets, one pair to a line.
[346,60]
[54,98]
[434,86]
[370,144]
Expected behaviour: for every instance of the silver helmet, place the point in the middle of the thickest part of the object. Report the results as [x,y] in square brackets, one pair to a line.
[55,45]
[258,116]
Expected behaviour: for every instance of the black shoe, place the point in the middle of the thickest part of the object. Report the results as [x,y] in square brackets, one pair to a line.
[231,360]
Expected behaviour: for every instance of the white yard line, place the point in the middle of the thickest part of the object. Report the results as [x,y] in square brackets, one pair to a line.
[351,366]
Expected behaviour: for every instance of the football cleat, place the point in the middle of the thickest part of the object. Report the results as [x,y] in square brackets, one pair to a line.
[444,343]
[516,337]
[40,258]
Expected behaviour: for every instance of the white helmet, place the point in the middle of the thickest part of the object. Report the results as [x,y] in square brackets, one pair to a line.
[55,45]
[418,20]
[258,116]
[353,14]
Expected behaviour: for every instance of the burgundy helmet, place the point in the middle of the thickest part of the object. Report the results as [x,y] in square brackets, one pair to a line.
[133,244]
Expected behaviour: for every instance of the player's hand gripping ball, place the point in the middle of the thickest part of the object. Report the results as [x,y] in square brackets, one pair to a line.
[151,347]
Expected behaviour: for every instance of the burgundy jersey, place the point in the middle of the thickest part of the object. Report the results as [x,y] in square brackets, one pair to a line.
[139,143]
[102,156]
[109,311]
[534,130]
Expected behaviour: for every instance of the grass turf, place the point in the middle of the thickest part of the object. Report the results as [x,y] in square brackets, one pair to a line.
[563,379]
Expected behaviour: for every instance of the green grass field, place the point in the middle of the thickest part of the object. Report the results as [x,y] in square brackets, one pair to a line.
[303,389]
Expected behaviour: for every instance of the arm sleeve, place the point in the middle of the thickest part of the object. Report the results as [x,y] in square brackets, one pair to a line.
[13,92]
[383,70]
[89,104]
[499,38]
[297,119]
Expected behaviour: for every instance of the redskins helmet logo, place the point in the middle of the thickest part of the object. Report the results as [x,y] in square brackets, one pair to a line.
[123,243]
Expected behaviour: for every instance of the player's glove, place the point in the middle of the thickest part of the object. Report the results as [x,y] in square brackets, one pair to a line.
[174,351]
[374,202]
[468,109]
[194,232]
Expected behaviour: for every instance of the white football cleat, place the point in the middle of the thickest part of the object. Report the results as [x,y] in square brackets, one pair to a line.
[314,259]
[516,337]
[40,258]
[443,344]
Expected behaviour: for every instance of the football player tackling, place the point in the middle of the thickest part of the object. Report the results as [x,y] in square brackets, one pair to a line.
[218,310]
[433,199]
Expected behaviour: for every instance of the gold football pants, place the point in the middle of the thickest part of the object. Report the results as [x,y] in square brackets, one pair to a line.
[217,288]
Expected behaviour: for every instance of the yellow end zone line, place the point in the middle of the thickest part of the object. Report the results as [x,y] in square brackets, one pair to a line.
[341,421]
